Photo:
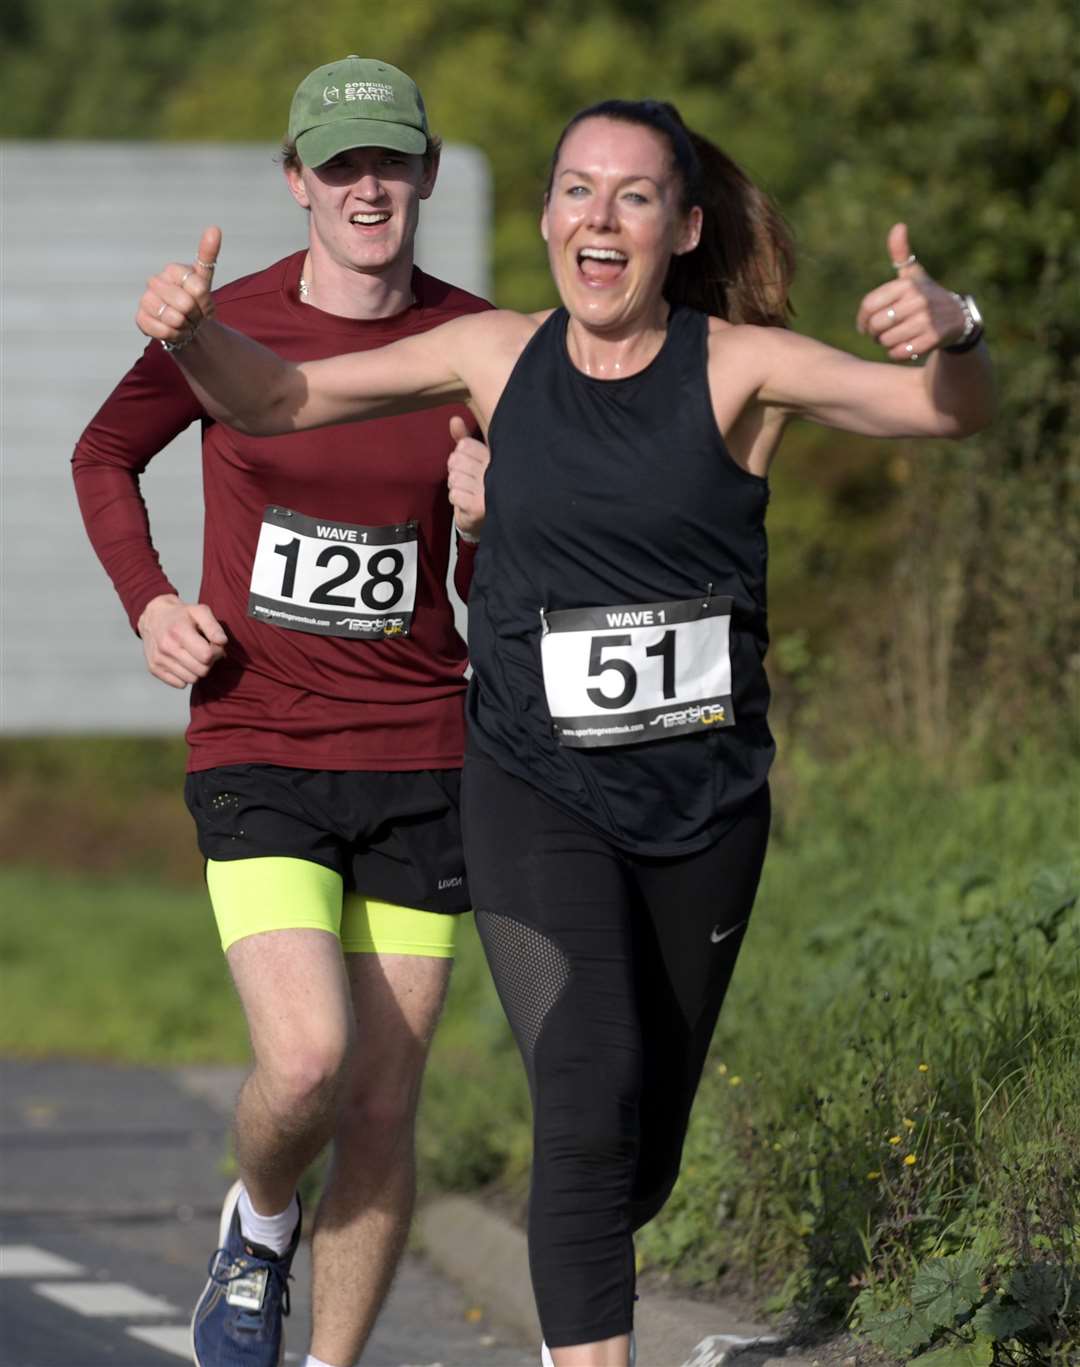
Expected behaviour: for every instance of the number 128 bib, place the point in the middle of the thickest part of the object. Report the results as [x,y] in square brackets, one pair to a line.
[334,578]
[624,675]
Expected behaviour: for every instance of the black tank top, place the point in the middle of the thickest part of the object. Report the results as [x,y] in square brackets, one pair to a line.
[605,493]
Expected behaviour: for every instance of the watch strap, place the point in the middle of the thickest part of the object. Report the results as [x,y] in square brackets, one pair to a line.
[972,334]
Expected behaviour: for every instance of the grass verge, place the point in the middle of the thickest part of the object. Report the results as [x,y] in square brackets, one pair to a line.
[895,1083]
[889,1124]
[117,968]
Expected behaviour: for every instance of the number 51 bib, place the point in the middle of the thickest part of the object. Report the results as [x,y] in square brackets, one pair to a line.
[334,578]
[624,675]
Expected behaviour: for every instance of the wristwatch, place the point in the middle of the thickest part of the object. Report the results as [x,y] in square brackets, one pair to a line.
[973,326]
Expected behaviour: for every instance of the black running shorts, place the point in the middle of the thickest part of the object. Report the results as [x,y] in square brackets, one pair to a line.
[394,837]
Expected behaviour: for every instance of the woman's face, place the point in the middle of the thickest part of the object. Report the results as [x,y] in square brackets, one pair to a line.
[612,222]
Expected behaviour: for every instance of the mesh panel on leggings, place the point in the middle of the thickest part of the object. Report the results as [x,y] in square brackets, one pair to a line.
[530,972]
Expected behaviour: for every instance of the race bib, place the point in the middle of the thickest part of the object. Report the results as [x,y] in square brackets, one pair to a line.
[624,675]
[334,578]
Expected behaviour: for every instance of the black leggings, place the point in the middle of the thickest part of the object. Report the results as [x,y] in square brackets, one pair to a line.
[611,969]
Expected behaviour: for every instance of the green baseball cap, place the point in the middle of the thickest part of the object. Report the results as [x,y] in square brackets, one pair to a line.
[356,102]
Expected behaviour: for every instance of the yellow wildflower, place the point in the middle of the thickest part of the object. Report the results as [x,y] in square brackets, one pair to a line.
[909,1124]
[735,1081]
[924,1067]
[894,1139]
[872,1176]
[721,1068]
[910,1160]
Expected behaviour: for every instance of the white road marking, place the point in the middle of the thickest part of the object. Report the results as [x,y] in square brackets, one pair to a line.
[171,1340]
[23,1260]
[719,1349]
[106,1299]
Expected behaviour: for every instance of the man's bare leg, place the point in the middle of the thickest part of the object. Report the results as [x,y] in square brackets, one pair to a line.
[363,1219]
[295,995]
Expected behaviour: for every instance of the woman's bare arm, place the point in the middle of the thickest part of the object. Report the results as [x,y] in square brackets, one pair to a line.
[250,387]
[911,317]
[951,396]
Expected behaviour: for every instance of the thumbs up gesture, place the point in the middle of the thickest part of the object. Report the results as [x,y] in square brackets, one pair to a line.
[911,315]
[178,299]
[465,472]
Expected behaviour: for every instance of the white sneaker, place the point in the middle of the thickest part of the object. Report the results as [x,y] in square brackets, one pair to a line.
[546,1360]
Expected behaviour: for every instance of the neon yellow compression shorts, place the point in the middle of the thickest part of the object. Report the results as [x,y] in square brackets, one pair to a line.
[253,895]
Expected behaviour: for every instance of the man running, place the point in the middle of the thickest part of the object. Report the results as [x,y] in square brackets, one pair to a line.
[326,735]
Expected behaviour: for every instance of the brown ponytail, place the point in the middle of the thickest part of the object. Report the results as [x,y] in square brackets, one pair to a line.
[742,268]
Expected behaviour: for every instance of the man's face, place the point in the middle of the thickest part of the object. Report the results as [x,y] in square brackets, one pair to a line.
[364,204]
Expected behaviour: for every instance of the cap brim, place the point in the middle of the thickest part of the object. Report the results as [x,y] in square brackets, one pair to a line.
[319,145]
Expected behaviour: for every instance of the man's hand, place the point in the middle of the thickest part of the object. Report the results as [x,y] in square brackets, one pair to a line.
[181,641]
[178,300]
[465,479]
[911,315]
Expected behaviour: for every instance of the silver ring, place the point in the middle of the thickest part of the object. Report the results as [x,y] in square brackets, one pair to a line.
[162,310]
[899,265]
[185,276]
[889,313]
[212,265]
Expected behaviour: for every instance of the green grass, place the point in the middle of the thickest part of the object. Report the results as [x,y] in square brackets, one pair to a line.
[909,990]
[896,1076]
[113,968]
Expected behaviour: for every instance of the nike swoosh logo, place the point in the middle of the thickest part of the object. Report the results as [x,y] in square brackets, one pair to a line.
[724,933]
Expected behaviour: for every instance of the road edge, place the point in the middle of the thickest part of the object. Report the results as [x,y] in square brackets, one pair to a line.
[488,1258]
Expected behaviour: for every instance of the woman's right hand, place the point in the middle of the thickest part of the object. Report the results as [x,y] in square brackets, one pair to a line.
[178,300]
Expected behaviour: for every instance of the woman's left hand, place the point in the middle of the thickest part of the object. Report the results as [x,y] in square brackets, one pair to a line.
[465,472]
[911,315]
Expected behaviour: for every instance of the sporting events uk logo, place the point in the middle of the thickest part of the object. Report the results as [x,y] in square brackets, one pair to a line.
[712,714]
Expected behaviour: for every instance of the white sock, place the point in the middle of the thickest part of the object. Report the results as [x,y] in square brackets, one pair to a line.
[312,1361]
[271,1231]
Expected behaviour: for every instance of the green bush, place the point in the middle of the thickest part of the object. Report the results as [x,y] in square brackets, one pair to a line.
[927,591]
[892,1104]
[896,1075]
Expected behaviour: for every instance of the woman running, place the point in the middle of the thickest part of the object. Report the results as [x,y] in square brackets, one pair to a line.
[616,803]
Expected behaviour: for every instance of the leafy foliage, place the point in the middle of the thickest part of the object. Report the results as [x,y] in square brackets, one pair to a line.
[946,1288]
[918,938]
[924,597]
[928,594]
[977,1352]
[948,1303]
[920,1143]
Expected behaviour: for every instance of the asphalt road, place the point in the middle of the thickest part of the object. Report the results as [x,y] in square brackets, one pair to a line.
[110,1184]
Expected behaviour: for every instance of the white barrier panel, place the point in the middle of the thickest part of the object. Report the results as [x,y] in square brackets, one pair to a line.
[83,225]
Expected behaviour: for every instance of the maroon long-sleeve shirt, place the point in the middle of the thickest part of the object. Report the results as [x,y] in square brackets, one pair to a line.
[281,695]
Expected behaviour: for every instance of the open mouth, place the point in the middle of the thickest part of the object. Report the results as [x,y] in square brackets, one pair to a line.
[373,219]
[601,265]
